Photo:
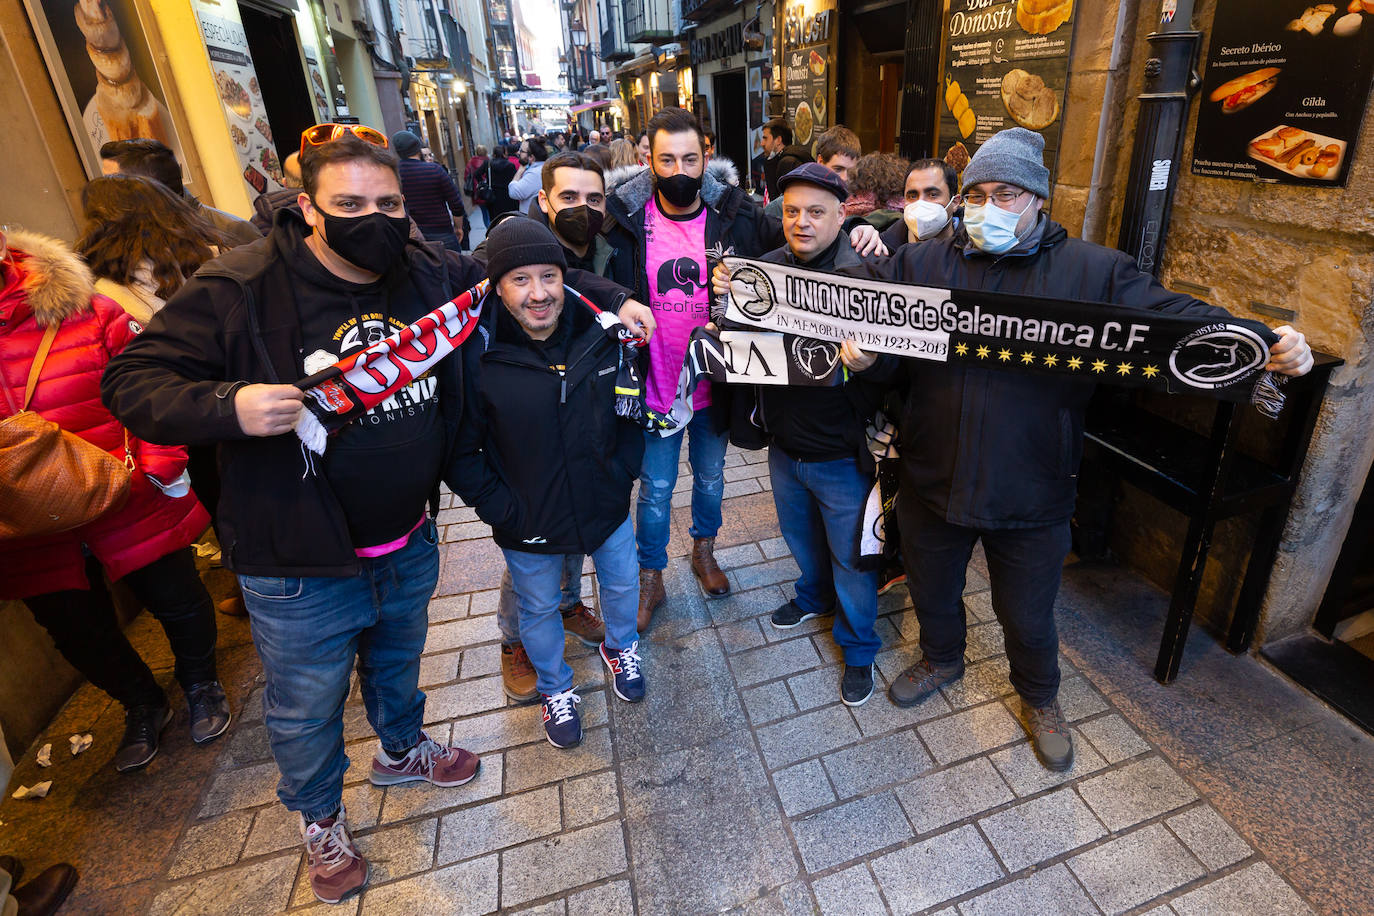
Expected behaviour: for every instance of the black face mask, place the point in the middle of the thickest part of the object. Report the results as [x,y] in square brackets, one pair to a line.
[577,225]
[679,190]
[373,242]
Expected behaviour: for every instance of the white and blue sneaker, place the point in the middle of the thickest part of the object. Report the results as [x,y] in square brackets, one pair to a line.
[562,724]
[627,680]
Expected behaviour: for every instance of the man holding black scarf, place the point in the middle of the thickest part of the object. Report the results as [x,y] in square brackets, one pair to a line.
[993,456]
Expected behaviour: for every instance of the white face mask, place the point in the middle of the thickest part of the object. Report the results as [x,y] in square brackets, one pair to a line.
[925,218]
[991,228]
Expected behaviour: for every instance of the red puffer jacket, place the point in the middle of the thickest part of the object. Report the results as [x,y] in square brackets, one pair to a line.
[43,282]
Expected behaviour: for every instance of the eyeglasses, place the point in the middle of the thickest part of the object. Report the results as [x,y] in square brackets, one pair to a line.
[1002,196]
[321,134]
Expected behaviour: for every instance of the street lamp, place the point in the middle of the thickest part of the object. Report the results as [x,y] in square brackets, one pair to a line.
[578,33]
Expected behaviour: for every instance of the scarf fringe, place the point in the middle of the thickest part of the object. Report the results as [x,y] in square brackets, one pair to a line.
[311,432]
[1268,396]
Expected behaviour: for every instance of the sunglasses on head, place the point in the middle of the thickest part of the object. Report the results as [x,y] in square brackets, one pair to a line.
[321,134]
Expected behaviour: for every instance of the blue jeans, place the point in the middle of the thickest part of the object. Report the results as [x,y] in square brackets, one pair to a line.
[308,633]
[658,476]
[508,609]
[537,579]
[820,510]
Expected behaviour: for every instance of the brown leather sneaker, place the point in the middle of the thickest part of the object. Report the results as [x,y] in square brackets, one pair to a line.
[651,595]
[707,572]
[580,621]
[337,869]
[517,674]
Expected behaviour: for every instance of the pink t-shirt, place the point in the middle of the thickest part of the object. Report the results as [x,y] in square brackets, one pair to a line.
[679,294]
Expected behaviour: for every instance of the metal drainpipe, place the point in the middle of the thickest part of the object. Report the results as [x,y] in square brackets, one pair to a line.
[1099,205]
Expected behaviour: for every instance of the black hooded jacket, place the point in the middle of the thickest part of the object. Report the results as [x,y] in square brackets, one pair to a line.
[541,455]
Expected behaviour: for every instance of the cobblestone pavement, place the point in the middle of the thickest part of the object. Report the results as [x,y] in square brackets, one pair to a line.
[743,785]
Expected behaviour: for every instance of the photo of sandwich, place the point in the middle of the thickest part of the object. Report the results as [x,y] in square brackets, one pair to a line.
[1299,152]
[1245,90]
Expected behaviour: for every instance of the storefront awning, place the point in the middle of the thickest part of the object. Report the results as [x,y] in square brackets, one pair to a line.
[588,106]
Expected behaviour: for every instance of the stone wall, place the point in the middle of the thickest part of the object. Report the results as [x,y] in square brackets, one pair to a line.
[1304,249]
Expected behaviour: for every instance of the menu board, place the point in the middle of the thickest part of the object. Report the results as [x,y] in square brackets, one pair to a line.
[1284,90]
[237,84]
[1006,65]
[808,59]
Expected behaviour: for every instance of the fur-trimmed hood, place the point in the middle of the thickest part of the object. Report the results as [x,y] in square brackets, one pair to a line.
[634,183]
[57,283]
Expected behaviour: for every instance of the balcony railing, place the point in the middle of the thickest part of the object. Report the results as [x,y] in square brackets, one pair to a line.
[647,21]
[612,47]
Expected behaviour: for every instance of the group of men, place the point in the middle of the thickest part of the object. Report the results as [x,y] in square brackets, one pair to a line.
[595,290]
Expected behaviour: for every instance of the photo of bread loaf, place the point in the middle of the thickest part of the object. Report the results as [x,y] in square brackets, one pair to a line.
[1041,17]
[126,107]
[958,105]
[1028,100]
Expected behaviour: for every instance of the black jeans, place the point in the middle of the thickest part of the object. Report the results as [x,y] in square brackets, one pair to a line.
[1024,565]
[83,625]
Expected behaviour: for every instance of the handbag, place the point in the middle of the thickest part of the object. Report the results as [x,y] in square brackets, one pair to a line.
[481,191]
[52,480]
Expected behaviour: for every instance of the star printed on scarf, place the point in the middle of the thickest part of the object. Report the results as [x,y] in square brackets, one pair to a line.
[1051,360]
[1075,363]
[1150,371]
[1027,358]
[961,349]
[1099,365]
[1124,369]
[983,352]
[1004,354]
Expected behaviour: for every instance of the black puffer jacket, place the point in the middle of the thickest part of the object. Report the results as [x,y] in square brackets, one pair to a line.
[541,455]
[990,449]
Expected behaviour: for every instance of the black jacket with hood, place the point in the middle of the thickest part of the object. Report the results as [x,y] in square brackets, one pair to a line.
[991,449]
[792,155]
[541,455]
[236,321]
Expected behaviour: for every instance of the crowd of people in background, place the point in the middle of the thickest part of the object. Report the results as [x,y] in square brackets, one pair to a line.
[171,336]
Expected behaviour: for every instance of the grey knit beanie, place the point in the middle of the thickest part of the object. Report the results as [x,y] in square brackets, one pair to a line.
[1015,156]
[405,143]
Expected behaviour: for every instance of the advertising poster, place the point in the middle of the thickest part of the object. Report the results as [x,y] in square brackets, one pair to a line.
[757,81]
[808,67]
[239,93]
[102,68]
[1283,91]
[1006,65]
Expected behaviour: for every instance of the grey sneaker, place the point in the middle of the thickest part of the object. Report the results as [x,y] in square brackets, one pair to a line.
[921,680]
[1049,734]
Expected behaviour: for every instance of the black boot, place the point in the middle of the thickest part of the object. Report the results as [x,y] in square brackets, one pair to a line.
[209,711]
[142,726]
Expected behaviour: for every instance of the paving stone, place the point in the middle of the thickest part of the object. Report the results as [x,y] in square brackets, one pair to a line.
[1113,738]
[784,569]
[709,858]
[210,844]
[984,641]
[970,732]
[1136,792]
[590,799]
[443,609]
[463,699]
[1041,829]
[790,899]
[879,715]
[861,769]
[768,702]
[497,824]
[504,728]
[485,603]
[708,774]
[246,788]
[982,681]
[413,799]
[465,889]
[551,908]
[457,634]
[744,472]
[816,688]
[851,892]
[275,828]
[1209,837]
[743,555]
[816,626]
[803,787]
[557,863]
[538,764]
[935,870]
[806,735]
[849,831]
[1256,889]
[1052,890]
[742,604]
[774,548]
[261,887]
[978,605]
[934,800]
[480,662]
[777,660]
[439,669]
[395,852]
[892,662]
[737,637]
[735,488]
[614,899]
[1026,775]
[1079,700]
[1135,868]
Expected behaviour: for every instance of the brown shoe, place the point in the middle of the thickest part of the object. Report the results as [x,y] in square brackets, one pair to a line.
[651,595]
[233,606]
[707,572]
[45,894]
[337,870]
[517,674]
[580,621]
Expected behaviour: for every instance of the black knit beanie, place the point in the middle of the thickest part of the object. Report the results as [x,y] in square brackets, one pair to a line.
[519,242]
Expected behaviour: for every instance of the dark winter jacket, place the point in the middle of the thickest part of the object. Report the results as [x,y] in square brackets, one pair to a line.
[541,455]
[991,449]
[502,171]
[791,156]
[265,206]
